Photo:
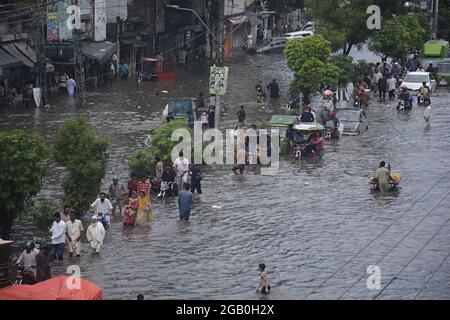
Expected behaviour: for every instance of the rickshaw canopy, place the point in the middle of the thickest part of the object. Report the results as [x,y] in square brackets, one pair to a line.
[282,120]
[309,126]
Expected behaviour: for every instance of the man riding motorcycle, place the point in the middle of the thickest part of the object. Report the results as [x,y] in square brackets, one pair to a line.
[27,263]
[405,98]
[424,97]
[260,94]
[361,94]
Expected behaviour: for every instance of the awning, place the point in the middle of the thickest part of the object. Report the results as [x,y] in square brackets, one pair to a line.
[237,19]
[16,53]
[99,51]
[7,61]
[135,42]
[26,50]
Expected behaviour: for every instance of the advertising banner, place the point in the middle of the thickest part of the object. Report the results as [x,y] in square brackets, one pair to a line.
[218,77]
[52,26]
[100,20]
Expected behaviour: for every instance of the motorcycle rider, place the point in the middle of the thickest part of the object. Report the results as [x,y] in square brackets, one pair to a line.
[404,96]
[396,70]
[28,260]
[425,93]
[102,206]
[360,93]
[260,94]
[307,115]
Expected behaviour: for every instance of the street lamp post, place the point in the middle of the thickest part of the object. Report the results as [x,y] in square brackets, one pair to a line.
[436,16]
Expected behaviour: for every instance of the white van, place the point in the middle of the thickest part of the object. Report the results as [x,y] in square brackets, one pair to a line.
[298,34]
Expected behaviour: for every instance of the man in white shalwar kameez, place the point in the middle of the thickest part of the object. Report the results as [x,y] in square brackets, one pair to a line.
[95,234]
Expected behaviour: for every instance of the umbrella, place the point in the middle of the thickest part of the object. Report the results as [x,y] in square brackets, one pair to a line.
[327,93]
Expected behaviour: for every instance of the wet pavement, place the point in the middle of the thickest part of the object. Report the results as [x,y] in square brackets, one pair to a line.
[315,224]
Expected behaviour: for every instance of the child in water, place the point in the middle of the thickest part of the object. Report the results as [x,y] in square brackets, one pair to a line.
[264,286]
[133,202]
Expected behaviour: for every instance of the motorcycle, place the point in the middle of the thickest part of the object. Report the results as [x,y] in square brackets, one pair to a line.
[423,100]
[24,277]
[260,96]
[104,219]
[404,105]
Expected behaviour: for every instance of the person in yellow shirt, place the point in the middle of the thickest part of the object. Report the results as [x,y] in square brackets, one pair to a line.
[144,214]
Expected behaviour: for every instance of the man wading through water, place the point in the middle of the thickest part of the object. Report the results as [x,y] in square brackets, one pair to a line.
[185,202]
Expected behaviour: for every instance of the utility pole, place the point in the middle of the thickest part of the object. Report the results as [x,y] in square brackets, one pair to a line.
[436,17]
[219,59]
[80,91]
[119,24]
[40,41]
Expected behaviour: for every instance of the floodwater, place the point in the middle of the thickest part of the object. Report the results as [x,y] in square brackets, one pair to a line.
[315,224]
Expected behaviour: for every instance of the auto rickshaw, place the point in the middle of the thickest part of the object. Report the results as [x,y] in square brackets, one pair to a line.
[283,123]
[299,137]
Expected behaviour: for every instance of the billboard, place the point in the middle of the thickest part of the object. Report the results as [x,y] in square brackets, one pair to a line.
[85,9]
[218,77]
[100,20]
[52,26]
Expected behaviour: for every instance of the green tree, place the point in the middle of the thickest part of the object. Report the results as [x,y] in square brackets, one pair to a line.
[444,20]
[400,35]
[84,157]
[345,66]
[23,161]
[344,23]
[141,161]
[41,213]
[309,59]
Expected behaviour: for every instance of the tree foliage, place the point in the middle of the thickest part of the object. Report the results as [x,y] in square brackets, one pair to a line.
[345,66]
[309,59]
[141,161]
[23,161]
[84,157]
[41,213]
[444,20]
[344,23]
[400,35]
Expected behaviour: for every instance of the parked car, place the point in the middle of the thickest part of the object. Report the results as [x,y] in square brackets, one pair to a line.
[353,119]
[413,81]
[276,45]
[298,34]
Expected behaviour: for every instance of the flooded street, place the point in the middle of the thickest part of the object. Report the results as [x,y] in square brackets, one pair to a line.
[316,225]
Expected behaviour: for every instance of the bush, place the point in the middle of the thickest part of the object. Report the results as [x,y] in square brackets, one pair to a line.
[141,162]
[41,213]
